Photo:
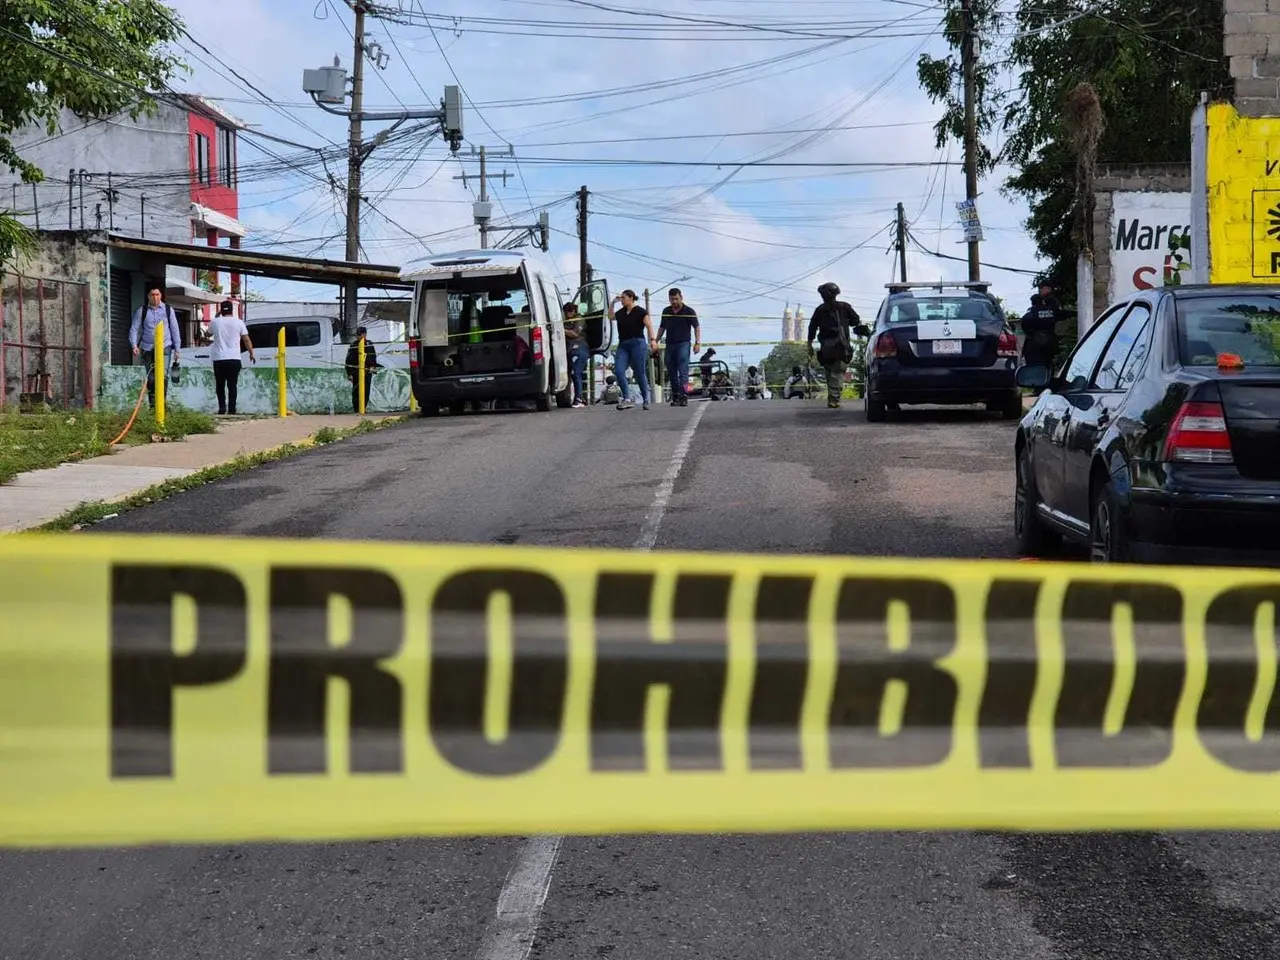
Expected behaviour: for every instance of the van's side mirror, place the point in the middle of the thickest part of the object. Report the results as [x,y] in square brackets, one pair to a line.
[1034,377]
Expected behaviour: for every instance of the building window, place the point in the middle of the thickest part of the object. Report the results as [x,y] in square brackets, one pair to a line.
[226,157]
[202,159]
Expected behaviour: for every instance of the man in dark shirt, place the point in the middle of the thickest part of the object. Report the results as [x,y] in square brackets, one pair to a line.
[353,368]
[831,323]
[633,324]
[680,325]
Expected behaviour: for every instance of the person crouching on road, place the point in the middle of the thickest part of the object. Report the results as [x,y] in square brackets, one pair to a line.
[230,338]
[830,323]
[755,384]
[142,335]
[635,341]
[684,337]
[796,387]
[612,393]
[579,352]
[353,367]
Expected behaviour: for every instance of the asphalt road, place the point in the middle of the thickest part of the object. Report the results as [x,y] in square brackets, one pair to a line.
[768,476]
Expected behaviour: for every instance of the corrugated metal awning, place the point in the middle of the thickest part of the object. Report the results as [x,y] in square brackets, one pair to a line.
[262,263]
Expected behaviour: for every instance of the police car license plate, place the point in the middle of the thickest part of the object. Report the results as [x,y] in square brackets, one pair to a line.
[945,346]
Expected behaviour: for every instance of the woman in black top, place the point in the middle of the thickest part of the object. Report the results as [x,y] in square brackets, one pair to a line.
[633,347]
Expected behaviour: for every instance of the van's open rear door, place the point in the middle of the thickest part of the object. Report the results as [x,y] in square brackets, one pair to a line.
[593,308]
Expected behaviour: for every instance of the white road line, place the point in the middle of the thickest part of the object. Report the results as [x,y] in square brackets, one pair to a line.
[653,520]
[511,933]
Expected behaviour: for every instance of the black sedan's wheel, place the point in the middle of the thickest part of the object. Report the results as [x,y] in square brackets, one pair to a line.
[1034,539]
[1108,542]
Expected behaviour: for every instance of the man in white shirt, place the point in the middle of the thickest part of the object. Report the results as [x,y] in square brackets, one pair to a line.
[230,338]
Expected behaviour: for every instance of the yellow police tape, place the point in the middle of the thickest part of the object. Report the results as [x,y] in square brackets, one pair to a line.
[165,689]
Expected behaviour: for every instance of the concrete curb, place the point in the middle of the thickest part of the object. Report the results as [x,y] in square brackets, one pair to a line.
[301,445]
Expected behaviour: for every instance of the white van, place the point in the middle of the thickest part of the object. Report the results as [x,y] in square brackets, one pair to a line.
[488,325]
[309,341]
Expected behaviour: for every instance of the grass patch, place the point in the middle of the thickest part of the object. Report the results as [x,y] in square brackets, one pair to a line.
[36,441]
[90,513]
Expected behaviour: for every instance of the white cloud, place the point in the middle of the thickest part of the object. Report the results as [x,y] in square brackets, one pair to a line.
[768,227]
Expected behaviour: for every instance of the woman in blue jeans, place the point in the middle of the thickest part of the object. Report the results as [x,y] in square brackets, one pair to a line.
[634,346]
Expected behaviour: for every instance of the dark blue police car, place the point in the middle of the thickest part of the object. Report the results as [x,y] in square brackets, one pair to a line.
[941,343]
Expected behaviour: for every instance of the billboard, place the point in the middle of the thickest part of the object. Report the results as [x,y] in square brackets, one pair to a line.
[1150,241]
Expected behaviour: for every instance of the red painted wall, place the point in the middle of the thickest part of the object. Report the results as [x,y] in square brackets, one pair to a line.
[217,196]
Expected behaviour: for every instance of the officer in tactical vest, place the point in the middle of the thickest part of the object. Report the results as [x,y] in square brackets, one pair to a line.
[831,323]
[1040,328]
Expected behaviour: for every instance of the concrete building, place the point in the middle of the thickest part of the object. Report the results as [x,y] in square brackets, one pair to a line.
[1251,42]
[171,176]
[65,310]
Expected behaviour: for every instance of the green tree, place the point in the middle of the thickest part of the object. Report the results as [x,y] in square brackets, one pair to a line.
[1147,61]
[95,58]
[777,365]
[942,78]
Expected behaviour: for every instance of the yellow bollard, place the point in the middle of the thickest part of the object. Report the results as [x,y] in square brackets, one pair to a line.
[282,401]
[360,374]
[413,399]
[158,344]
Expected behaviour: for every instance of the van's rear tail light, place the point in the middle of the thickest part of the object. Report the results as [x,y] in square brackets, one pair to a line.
[1007,345]
[537,344]
[1199,435]
[886,346]
[413,352]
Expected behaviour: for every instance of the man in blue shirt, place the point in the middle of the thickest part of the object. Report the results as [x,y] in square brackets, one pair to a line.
[680,324]
[142,334]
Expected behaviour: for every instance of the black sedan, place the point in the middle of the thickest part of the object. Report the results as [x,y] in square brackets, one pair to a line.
[1159,439]
[945,343]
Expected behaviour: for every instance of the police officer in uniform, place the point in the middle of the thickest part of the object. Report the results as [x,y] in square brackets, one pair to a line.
[831,323]
[1040,328]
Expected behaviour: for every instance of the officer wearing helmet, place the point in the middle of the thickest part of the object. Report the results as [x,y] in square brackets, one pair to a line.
[831,323]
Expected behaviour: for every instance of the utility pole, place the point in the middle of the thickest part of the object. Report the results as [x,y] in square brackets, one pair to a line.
[482,208]
[327,87]
[584,268]
[902,243]
[967,57]
[355,160]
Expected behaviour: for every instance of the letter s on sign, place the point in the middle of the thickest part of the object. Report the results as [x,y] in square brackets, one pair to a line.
[1139,283]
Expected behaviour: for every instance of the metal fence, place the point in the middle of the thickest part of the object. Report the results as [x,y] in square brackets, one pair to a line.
[44,342]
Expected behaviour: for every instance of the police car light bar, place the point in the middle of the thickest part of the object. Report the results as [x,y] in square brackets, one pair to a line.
[982,285]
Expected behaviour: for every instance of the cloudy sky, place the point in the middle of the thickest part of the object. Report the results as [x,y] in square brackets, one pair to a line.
[655,113]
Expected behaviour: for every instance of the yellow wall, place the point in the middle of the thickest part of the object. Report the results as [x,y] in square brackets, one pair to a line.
[1244,197]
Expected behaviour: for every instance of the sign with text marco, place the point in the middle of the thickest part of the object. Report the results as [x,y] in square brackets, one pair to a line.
[1149,234]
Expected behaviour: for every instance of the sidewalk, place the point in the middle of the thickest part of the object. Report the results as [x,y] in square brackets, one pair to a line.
[41,495]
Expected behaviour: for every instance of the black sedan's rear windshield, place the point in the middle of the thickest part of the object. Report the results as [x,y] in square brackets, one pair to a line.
[914,309]
[1246,326]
